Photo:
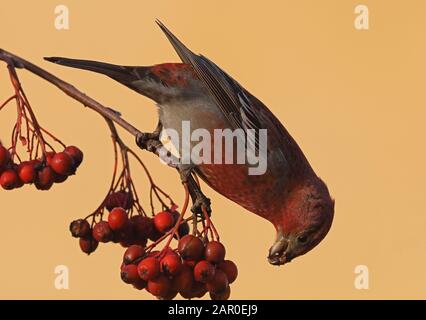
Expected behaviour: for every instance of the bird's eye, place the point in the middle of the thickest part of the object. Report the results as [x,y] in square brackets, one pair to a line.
[302,238]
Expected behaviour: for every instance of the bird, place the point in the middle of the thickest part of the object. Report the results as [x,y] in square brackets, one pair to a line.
[289,194]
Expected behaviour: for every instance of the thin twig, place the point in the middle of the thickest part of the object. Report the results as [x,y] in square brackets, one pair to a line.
[68,89]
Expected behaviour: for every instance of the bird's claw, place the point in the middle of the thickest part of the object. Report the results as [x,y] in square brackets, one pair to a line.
[141,139]
[199,199]
[144,139]
[185,171]
[200,202]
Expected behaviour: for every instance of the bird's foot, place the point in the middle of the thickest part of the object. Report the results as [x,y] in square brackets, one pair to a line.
[151,142]
[201,201]
[185,171]
[143,138]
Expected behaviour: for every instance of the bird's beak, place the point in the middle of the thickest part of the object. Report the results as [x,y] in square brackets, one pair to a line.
[278,253]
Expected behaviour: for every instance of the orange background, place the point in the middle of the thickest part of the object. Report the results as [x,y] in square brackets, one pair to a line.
[354,101]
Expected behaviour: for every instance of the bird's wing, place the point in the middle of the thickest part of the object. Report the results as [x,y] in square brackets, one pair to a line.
[230,96]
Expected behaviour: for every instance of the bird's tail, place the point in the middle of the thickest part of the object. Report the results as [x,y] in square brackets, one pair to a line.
[122,74]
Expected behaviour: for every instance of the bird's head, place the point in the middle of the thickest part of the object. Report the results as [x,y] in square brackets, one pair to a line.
[304,220]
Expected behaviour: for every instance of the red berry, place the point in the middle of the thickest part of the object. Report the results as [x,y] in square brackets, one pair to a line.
[198,290]
[169,251]
[121,199]
[142,226]
[204,271]
[45,178]
[80,228]
[149,268]
[4,157]
[169,295]
[154,253]
[133,253]
[191,247]
[163,221]
[187,294]
[62,163]
[129,274]
[183,228]
[126,234]
[159,286]
[214,252]
[221,295]
[27,172]
[219,283]
[102,232]
[140,241]
[88,245]
[36,163]
[171,264]
[75,153]
[49,157]
[155,235]
[190,263]
[126,243]
[9,179]
[184,279]
[117,219]
[230,270]
[116,237]
[140,284]
[20,183]
[59,178]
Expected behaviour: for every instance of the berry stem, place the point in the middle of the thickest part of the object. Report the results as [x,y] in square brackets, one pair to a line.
[209,226]
[114,176]
[27,125]
[7,101]
[23,103]
[154,187]
[181,216]
[175,228]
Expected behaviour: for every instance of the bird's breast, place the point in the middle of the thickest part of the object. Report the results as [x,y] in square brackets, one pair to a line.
[254,193]
[259,194]
[198,113]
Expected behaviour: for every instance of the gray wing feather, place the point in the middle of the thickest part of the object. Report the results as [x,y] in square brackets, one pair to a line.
[230,96]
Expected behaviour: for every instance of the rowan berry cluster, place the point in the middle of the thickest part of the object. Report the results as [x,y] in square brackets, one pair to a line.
[43,172]
[120,227]
[192,269]
[196,266]
[31,158]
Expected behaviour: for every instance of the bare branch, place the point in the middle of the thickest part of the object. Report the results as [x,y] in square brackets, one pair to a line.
[68,89]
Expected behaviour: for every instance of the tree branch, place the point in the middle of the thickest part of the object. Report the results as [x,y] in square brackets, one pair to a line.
[150,143]
[68,89]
